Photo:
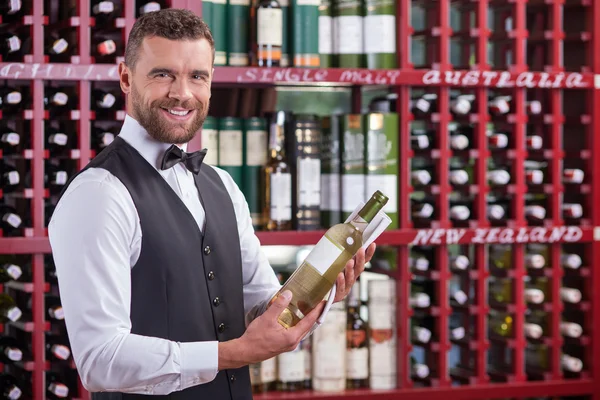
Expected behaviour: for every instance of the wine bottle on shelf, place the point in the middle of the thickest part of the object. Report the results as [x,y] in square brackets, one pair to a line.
[9,271]
[57,46]
[11,99]
[535,324]
[500,256]
[422,175]
[9,140]
[58,141]
[501,324]
[572,211]
[315,277]
[535,207]
[573,175]
[10,350]
[330,351]
[460,173]
[104,11]
[267,40]
[101,138]
[357,344]
[104,100]
[421,330]
[537,358]
[56,99]
[10,387]
[570,295]
[461,104]
[498,140]
[498,209]
[149,7]
[56,349]
[418,261]
[10,179]
[461,137]
[424,105]
[534,142]
[277,179]
[533,107]
[10,220]
[499,176]
[383,341]
[290,370]
[458,296]
[10,7]
[422,139]
[55,386]
[457,329]
[499,105]
[105,49]
[53,307]
[571,261]
[571,329]
[459,263]
[421,294]
[55,176]
[460,207]
[534,261]
[10,44]
[418,370]
[535,172]
[422,209]
[9,312]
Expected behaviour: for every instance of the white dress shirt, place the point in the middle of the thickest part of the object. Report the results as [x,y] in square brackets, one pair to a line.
[96,239]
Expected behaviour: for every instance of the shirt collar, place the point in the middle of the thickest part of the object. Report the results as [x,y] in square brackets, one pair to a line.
[136,136]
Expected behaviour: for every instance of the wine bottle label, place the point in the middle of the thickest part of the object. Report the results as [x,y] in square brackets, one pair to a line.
[459,142]
[329,346]
[499,177]
[460,106]
[330,197]
[419,142]
[61,178]
[570,295]
[459,177]
[461,213]
[60,99]
[499,106]
[291,366]
[422,335]
[572,261]
[325,34]
[324,254]
[268,370]
[13,177]
[11,138]
[107,138]
[534,142]
[460,262]
[12,219]
[420,370]
[388,184]
[14,271]
[380,34]
[307,349]
[538,212]
[420,300]
[572,210]
[418,263]
[534,107]
[534,296]
[14,97]
[357,363]
[536,261]
[104,7]
[309,182]
[230,148]
[534,177]
[421,177]
[495,212]
[498,141]
[571,364]
[573,176]
[61,352]
[13,354]
[281,196]
[56,313]
[14,393]
[107,47]
[14,313]
[14,6]
[14,44]
[571,329]
[460,297]
[107,101]
[59,139]
[58,389]
[150,7]
[533,331]
[270,26]
[254,370]
[353,188]
[382,341]
[60,46]
[349,34]
[210,141]
[256,148]
[458,333]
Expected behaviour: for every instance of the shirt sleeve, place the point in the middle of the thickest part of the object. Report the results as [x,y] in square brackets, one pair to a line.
[259,278]
[91,235]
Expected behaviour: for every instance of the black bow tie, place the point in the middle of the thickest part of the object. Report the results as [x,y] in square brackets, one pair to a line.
[192,161]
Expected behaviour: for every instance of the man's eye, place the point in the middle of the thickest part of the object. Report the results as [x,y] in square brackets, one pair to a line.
[197,77]
[162,75]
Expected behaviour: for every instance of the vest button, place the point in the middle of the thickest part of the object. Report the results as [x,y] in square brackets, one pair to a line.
[211,276]
[232,378]
[207,250]
[216,301]
[221,327]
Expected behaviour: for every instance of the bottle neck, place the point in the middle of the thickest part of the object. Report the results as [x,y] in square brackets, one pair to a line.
[276,141]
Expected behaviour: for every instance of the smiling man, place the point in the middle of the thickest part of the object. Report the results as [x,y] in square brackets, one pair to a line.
[162,279]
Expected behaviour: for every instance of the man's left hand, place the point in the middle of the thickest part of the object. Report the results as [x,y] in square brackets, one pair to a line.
[353,269]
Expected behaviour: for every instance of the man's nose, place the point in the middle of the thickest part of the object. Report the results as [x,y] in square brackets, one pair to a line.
[180,89]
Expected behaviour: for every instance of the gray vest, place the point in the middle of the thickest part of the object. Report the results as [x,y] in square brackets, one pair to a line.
[186,285]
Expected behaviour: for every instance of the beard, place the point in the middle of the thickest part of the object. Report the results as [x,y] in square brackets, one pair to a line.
[158,127]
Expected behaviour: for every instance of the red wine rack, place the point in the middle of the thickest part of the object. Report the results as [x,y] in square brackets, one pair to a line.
[565,77]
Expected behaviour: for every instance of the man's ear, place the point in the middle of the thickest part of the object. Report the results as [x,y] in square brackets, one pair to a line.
[125,77]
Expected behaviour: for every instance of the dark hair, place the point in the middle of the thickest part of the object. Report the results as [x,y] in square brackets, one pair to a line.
[169,23]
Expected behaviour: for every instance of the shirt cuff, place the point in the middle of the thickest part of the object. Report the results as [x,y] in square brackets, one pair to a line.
[199,363]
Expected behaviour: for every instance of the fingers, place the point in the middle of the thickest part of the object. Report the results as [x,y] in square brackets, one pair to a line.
[370,252]
[279,304]
[350,268]
[340,284]
[309,320]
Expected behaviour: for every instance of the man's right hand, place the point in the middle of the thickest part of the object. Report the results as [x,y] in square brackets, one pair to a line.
[265,337]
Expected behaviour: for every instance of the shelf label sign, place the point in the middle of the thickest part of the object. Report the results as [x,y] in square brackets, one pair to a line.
[498,235]
[506,79]
[300,75]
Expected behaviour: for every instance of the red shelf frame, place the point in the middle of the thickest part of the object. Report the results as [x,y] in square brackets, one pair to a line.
[440,77]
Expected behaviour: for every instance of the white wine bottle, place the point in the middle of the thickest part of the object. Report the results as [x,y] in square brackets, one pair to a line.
[315,277]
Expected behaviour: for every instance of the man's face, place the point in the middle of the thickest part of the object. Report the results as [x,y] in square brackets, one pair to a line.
[170,87]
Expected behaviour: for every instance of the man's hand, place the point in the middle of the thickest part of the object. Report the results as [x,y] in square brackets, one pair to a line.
[266,337]
[353,269]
